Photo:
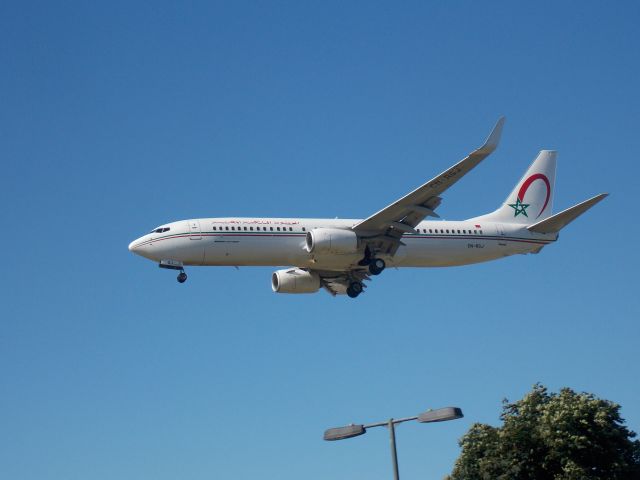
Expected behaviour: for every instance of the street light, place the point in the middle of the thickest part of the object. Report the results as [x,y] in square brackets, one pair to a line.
[430,416]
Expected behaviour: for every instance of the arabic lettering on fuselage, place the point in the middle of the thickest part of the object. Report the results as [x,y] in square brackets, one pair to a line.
[257,222]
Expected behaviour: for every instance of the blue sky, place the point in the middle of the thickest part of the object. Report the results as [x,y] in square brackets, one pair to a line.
[120,116]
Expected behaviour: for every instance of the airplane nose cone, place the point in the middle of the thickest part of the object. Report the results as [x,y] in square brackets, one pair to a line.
[140,246]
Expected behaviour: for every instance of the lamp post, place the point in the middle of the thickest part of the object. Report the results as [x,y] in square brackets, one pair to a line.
[430,416]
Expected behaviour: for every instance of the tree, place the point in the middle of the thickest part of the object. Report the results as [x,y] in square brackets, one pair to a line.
[554,436]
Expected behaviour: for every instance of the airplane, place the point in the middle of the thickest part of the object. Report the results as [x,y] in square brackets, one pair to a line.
[339,255]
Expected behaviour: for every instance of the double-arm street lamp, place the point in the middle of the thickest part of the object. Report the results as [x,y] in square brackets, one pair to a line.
[430,416]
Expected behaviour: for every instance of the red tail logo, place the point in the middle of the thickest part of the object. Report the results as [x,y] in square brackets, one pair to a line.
[520,207]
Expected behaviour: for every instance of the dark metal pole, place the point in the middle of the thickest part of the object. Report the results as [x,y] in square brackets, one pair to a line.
[394,453]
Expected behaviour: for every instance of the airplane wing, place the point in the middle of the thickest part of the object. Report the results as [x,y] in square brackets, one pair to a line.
[384,229]
[336,283]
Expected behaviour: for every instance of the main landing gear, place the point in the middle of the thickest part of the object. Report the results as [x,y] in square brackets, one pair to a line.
[182,277]
[354,289]
[376,265]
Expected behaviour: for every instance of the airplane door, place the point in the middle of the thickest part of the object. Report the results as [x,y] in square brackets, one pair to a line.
[194,230]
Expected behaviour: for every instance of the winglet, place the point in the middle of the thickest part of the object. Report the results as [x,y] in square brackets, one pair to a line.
[493,139]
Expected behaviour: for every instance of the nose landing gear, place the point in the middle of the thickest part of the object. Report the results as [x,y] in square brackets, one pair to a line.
[175,265]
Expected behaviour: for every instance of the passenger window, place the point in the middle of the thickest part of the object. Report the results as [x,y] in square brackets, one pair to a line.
[290,229]
[475,232]
[304,229]
[430,231]
[271,228]
[214,228]
[480,232]
[251,228]
[447,231]
[278,228]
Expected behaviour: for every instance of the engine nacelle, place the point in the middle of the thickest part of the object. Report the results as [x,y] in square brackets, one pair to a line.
[331,240]
[295,280]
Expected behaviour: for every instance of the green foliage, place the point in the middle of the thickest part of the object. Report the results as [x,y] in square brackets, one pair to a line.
[554,436]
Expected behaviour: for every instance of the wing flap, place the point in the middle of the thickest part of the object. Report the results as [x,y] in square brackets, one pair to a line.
[336,283]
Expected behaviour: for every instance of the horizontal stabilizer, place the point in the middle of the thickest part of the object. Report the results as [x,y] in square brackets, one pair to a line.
[560,220]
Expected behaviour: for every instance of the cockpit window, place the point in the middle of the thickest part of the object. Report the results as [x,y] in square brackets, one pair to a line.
[161,230]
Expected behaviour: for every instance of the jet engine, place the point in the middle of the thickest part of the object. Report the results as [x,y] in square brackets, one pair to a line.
[295,280]
[331,240]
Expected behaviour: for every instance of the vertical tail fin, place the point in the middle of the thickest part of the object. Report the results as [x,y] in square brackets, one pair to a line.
[532,199]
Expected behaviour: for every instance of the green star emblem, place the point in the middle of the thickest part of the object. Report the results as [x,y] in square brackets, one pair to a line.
[520,208]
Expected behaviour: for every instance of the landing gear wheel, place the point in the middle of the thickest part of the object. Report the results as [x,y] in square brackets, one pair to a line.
[377,266]
[182,277]
[354,289]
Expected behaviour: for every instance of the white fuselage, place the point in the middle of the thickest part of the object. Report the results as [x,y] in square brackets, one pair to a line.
[236,241]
